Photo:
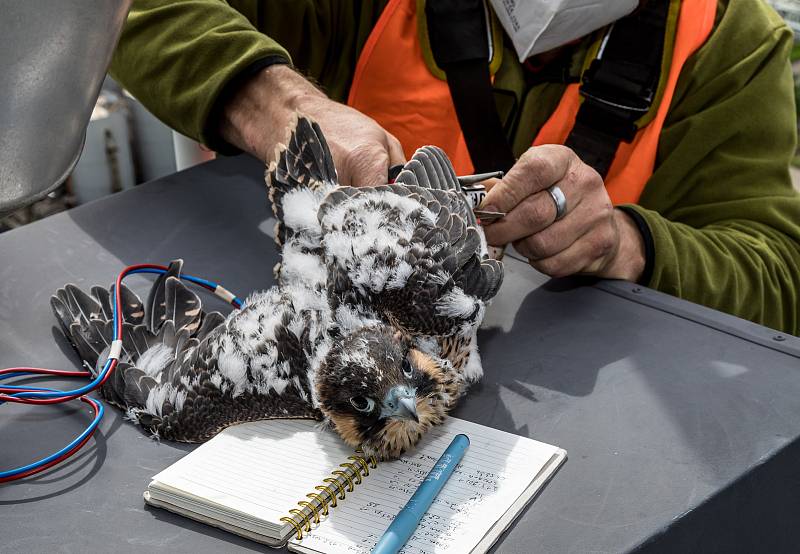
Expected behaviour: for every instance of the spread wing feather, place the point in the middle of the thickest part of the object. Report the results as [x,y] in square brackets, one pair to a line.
[184,373]
[298,180]
[303,164]
[430,168]
[410,251]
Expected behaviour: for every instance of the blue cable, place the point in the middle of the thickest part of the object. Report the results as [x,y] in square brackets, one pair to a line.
[54,393]
[204,282]
[26,389]
[210,285]
[90,429]
[92,384]
[197,280]
[75,392]
[9,375]
[40,392]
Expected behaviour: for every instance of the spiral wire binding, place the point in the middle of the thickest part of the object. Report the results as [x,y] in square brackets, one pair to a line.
[358,468]
[335,482]
[346,476]
[331,499]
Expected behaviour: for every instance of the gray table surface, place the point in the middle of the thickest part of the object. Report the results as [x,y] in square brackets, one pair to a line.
[681,424]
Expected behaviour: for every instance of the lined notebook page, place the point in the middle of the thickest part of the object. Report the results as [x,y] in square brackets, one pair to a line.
[261,469]
[496,470]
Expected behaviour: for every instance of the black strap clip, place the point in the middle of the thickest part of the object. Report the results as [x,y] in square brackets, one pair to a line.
[613,100]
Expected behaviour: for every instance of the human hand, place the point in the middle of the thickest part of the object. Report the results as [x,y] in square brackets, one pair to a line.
[592,238]
[258,115]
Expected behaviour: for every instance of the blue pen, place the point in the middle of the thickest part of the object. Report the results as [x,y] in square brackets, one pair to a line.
[406,521]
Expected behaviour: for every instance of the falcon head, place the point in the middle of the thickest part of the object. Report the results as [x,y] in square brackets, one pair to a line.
[380,392]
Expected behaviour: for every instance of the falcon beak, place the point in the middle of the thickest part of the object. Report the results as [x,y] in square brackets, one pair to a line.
[407,409]
[401,403]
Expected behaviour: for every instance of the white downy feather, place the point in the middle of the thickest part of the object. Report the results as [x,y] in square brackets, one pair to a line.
[456,303]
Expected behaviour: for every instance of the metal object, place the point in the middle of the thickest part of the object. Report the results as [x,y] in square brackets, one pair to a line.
[467,180]
[475,195]
[488,217]
[55,55]
[560,201]
[472,186]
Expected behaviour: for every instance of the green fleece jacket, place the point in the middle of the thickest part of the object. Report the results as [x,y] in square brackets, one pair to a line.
[724,218]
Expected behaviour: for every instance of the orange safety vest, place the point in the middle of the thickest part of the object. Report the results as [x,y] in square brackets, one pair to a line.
[393,85]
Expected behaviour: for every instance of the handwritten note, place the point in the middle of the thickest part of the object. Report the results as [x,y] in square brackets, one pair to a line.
[497,469]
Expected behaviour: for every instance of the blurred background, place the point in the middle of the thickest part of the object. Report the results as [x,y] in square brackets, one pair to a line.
[126,145]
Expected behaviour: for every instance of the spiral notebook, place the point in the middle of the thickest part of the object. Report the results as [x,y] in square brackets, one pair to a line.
[291,481]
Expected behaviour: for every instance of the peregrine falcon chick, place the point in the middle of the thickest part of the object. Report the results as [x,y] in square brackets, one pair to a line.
[370,326]
[381,393]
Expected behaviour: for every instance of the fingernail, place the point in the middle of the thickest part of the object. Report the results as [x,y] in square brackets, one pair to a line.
[489,208]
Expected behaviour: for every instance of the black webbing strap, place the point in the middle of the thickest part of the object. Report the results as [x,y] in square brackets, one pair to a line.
[459,40]
[620,85]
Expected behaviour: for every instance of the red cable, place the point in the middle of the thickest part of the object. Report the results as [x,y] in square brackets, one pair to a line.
[37,371]
[5,392]
[61,458]
[67,373]
[56,400]
[41,370]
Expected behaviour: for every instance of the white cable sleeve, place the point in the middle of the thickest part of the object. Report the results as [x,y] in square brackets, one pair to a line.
[116,350]
[225,294]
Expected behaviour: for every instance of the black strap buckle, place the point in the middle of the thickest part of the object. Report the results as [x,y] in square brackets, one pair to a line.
[616,104]
[615,96]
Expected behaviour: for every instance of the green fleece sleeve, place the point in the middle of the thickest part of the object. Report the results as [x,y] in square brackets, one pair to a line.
[724,217]
[177,57]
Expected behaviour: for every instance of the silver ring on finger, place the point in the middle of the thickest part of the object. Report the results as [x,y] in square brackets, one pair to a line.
[559,200]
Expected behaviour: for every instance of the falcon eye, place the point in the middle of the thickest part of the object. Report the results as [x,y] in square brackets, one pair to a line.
[362,403]
[408,371]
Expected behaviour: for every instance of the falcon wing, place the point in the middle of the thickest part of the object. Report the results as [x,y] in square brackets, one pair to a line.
[411,254]
[430,168]
[298,180]
[184,374]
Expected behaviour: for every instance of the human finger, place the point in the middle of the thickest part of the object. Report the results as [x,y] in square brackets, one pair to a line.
[367,165]
[395,150]
[488,185]
[580,185]
[588,254]
[537,169]
[529,217]
[561,234]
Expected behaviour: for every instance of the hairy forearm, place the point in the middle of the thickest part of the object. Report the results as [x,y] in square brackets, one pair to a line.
[258,114]
[177,57]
